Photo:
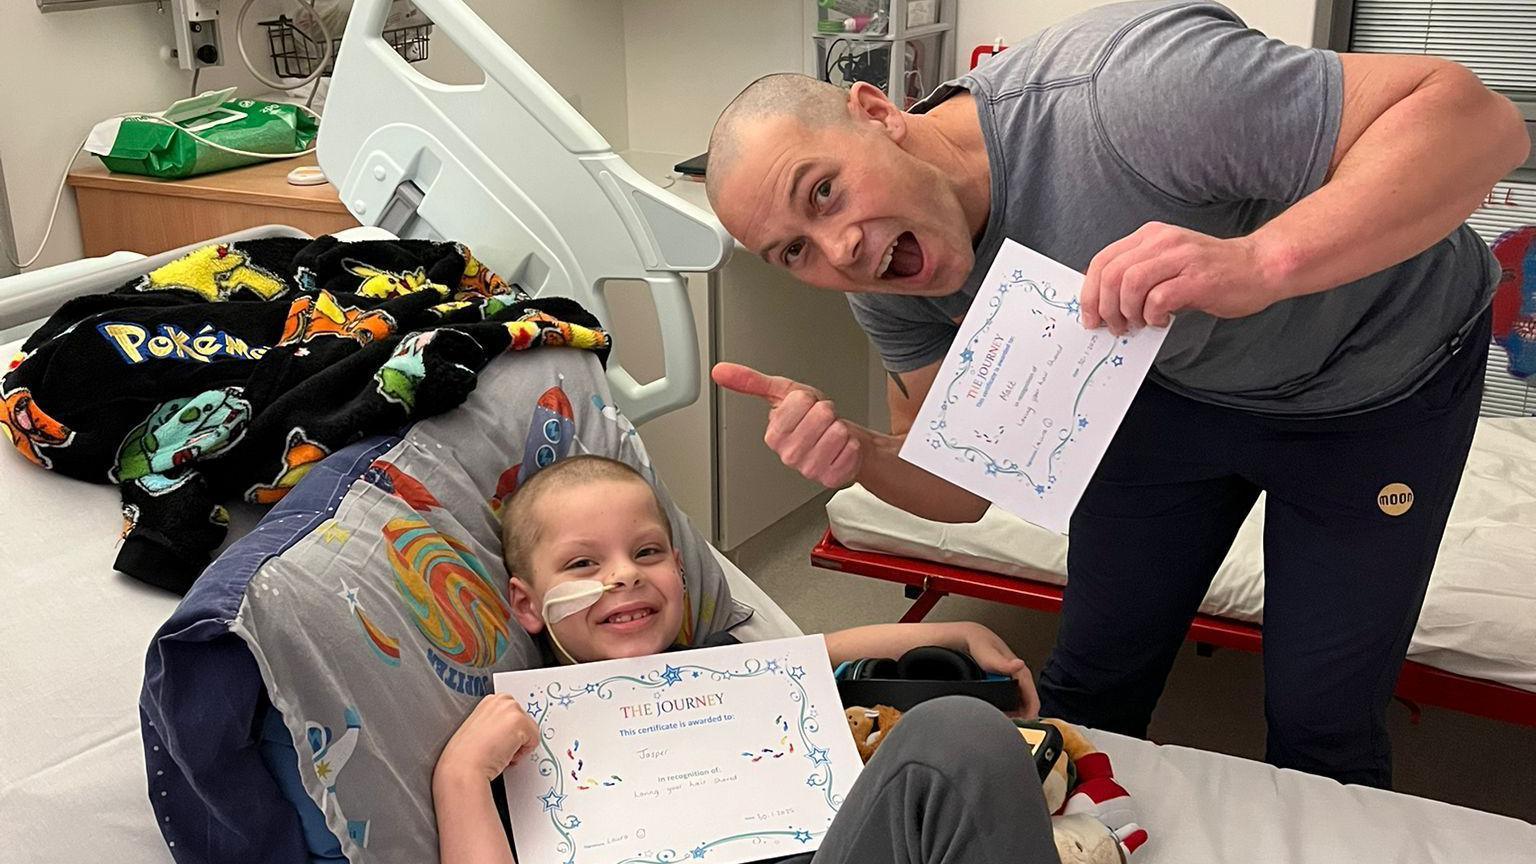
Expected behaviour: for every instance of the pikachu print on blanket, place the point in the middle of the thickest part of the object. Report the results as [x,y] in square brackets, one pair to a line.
[383,284]
[215,273]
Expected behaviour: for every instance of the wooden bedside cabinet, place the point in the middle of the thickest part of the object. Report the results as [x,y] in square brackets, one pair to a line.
[147,215]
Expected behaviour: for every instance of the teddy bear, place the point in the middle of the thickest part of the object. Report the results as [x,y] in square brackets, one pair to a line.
[1093,820]
[869,726]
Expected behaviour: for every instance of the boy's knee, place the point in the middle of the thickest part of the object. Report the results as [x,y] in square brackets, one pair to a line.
[947,728]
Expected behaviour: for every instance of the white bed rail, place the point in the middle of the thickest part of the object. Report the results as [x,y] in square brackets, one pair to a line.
[509,168]
[29,298]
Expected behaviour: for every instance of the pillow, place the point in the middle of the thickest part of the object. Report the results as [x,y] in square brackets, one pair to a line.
[359,623]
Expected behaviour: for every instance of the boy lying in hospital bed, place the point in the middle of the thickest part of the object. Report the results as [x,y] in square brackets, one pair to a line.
[590,549]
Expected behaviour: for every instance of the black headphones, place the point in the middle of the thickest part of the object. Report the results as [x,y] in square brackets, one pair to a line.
[919,675]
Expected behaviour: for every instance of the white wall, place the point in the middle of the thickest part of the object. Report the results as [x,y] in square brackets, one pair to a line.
[59,74]
[648,74]
[62,72]
[687,58]
[577,45]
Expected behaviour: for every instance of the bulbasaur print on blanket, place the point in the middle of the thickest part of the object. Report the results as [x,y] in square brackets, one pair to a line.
[359,624]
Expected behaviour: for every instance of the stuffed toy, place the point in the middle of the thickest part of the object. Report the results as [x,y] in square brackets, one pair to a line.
[1514,301]
[1093,818]
[869,726]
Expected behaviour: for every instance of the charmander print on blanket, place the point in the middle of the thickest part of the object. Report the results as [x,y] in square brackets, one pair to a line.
[230,372]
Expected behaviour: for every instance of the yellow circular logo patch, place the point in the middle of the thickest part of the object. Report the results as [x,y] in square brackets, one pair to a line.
[1395,499]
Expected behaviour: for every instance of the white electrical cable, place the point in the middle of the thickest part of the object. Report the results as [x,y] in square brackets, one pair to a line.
[149,118]
[314,77]
[325,57]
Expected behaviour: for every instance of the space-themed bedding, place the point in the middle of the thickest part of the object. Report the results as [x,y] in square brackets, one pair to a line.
[295,703]
[228,373]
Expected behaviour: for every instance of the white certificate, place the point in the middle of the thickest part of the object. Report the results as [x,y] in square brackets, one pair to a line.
[728,754]
[1027,400]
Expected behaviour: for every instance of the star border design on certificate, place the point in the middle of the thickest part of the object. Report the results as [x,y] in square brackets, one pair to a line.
[562,696]
[992,466]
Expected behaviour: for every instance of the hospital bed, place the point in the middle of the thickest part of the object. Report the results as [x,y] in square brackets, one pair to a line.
[510,169]
[1474,649]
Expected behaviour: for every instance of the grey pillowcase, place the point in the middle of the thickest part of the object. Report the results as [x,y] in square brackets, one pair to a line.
[378,631]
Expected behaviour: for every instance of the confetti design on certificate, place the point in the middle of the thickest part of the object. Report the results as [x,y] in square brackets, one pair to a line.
[717,754]
[1027,401]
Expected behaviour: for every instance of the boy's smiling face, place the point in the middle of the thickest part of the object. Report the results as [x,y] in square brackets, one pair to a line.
[611,531]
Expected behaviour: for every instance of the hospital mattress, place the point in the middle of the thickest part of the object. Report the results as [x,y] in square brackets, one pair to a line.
[1206,808]
[72,639]
[1479,618]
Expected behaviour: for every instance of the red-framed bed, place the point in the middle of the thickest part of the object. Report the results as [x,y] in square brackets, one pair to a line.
[927,582]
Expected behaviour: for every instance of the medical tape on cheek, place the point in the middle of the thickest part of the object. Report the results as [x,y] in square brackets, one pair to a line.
[565,600]
[569,598]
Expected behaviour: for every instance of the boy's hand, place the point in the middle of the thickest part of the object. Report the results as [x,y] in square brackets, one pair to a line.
[495,735]
[993,655]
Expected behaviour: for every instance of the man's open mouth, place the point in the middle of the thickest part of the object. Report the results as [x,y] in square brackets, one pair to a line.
[903,258]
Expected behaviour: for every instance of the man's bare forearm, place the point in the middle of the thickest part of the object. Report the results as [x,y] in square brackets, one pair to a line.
[904,485]
[1414,174]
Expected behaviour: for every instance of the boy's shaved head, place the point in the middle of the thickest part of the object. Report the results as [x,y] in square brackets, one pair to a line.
[520,522]
[812,102]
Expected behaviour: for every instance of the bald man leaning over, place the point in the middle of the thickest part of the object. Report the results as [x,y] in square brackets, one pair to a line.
[1299,211]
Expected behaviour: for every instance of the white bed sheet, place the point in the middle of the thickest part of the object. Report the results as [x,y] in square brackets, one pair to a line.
[1207,808]
[72,639]
[1479,618]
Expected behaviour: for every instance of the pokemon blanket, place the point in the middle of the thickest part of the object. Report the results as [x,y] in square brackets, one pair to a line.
[231,371]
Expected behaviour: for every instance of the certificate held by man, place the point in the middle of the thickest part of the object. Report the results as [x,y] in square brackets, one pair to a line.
[730,754]
[1027,401]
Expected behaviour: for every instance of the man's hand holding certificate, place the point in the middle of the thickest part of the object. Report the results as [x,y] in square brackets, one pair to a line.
[1027,401]
[740,752]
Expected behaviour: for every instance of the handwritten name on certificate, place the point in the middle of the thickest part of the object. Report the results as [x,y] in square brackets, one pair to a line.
[1027,401]
[728,754]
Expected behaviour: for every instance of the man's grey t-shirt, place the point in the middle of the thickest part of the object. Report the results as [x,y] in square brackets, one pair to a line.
[1178,113]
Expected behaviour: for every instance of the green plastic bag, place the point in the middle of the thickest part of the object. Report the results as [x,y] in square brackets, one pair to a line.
[136,145]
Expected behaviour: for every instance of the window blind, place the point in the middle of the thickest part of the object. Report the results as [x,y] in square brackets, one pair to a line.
[1504,395]
[1494,38]
[1511,204]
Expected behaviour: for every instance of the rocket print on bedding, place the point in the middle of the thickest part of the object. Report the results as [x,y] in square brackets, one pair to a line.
[551,433]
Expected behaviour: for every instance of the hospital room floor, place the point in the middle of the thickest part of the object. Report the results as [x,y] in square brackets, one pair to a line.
[1213,703]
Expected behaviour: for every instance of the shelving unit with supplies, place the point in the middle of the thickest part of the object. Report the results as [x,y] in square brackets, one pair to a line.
[904,47]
